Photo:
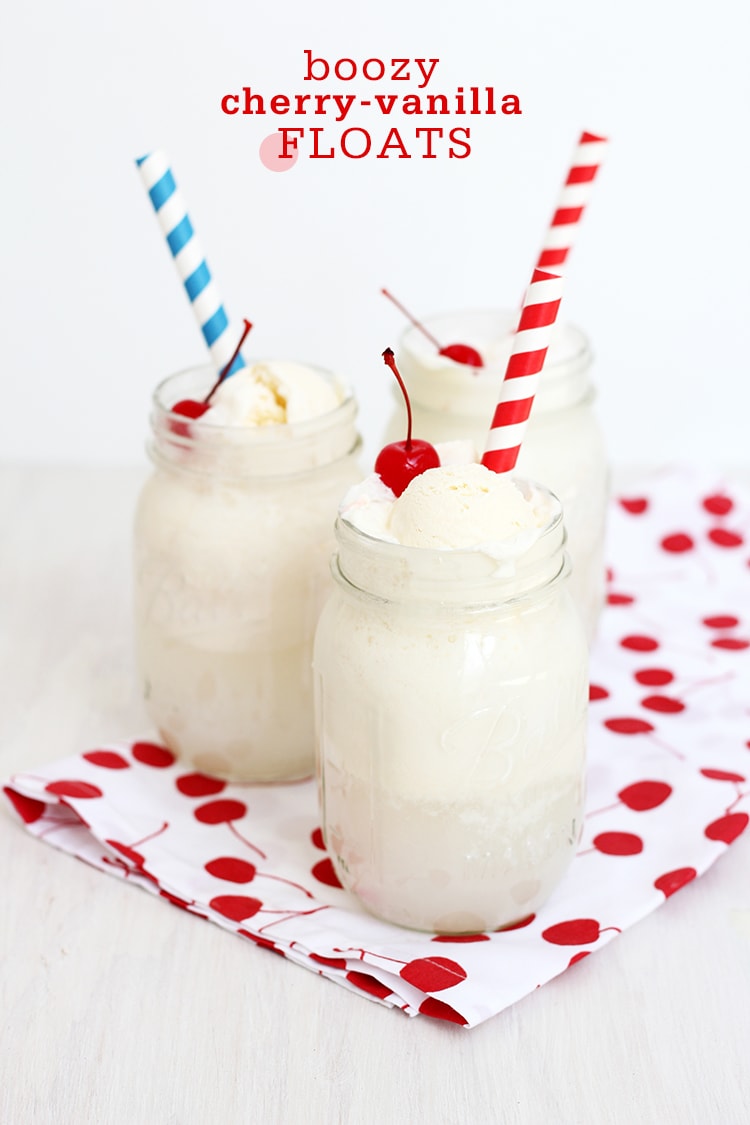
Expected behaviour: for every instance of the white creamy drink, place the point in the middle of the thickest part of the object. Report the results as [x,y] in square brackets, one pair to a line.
[451,695]
[563,446]
[233,538]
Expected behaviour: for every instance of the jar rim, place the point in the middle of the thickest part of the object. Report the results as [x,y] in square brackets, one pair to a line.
[255,433]
[395,572]
[283,451]
[439,383]
[580,355]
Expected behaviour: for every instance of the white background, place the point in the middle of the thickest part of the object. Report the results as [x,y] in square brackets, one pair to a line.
[651,1028]
[94,315]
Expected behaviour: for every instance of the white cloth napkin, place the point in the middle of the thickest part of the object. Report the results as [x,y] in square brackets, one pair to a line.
[667,791]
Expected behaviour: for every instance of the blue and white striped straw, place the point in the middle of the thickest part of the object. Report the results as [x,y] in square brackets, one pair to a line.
[188,257]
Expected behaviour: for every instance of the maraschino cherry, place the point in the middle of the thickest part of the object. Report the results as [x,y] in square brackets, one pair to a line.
[400,462]
[189,407]
[459,353]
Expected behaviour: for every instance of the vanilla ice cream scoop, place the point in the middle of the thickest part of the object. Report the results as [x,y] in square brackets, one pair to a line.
[271,393]
[460,506]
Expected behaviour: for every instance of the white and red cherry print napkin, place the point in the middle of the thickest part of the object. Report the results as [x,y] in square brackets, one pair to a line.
[668,789]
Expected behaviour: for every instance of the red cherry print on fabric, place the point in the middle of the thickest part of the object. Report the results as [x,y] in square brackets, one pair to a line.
[461,938]
[577,931]
[654,677]
[369,984]
[718,504]
[238,908]
[129,853]
[597,692]
[720,537]
[199,785]
[642,796]
[638,643]
[722,775]
[317,838]
[618,843]
[433,974]
[439,1010]
[329,962]
[628,726]
[636,505]
[231,869]
[673,880]
[663,704]
[80,789]
[220,812]
[151,754]
[727,828]
[324,873]
[224,812]
[677,543]
[721,621]
[128,850]
[521,924]
[264,943]
[578,957]
[181,902]
[107,759]
[27,808]
[234,870]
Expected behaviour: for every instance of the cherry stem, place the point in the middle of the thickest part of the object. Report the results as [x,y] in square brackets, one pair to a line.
[288,915]
[417,324]
[607,808]
[390,361]
[228,367]
[244,841]
[151,836]
[119,863]
[56,824]
[281,879]
[740,796]
[670,749]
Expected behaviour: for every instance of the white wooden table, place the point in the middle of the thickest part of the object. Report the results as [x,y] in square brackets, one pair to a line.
[116,1008]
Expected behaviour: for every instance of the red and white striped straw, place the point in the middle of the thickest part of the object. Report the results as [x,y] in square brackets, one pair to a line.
[571,204]
[538,316]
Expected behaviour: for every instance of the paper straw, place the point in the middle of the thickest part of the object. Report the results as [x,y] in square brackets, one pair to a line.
[571,204]
[189,259]
[521,379]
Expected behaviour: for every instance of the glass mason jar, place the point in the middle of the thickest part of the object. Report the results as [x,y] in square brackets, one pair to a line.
[451,700]
[563,446]
[233,535]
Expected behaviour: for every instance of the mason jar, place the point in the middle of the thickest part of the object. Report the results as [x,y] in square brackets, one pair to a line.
[563,446]
[233,535]
[451,700]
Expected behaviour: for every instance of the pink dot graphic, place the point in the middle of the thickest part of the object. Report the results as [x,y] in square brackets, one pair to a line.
[272,153]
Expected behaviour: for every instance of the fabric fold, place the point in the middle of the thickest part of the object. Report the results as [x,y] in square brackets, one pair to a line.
[669,758]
